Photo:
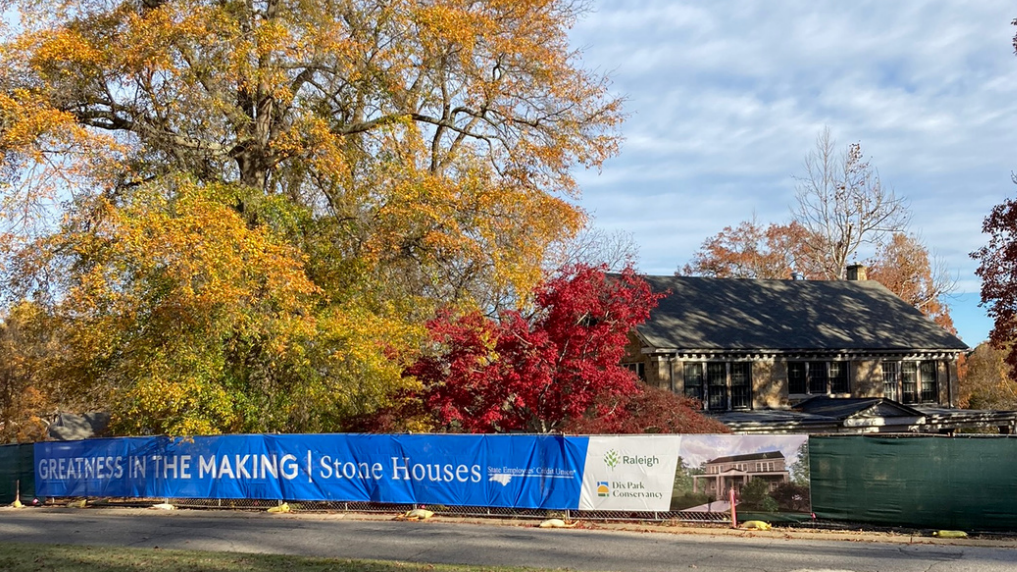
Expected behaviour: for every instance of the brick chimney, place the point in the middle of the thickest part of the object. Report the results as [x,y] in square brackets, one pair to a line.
[856,272]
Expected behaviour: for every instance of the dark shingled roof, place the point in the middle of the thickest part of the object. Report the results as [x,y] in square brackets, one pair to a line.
[783,315]
[749,457]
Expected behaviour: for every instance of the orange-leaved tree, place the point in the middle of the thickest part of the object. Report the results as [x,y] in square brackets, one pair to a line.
[436,137]
[985,379]
[751,251]
[29,395]
[394,155]
[904,267]
[181,318]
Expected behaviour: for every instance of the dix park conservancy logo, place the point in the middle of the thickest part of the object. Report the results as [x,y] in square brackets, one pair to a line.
[611,459]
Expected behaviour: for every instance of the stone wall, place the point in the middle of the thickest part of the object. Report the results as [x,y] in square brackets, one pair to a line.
[658,373]
[867,378]
[769,384]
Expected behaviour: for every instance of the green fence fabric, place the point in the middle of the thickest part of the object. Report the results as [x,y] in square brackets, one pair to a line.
[17,464]
[957,483]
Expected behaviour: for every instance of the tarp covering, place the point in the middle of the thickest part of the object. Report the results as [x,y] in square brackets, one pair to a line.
[964,483]
[16,467]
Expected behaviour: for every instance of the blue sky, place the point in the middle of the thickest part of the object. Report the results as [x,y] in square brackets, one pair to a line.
[725,98]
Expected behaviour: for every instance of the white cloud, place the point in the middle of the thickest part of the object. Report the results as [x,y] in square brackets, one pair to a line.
[727,97]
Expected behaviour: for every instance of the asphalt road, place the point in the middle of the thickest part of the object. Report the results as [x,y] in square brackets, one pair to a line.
[468,543]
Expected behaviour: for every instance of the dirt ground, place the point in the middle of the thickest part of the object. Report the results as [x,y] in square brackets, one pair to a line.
[901,536]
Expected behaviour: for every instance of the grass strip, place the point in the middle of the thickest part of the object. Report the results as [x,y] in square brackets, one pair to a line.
[21,557]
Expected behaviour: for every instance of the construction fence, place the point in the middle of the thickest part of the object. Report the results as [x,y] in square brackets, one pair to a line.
[17,470]
[961,482]
[958,483]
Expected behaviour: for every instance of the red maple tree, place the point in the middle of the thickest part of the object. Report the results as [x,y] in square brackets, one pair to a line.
[535,372]
[651,410]
[998,271]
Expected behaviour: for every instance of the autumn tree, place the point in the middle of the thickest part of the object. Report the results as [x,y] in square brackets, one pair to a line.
[985,381]
[751,251]
[436,136]
[182,318]
[591,246]
[842,205]
[539,370]
[903,265]
[379,158]
[998,270]
[28,396]
[649,410]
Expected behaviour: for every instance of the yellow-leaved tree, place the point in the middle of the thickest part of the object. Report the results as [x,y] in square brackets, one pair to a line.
[239,212]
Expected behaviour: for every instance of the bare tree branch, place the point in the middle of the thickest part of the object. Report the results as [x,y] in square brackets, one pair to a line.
[843,205]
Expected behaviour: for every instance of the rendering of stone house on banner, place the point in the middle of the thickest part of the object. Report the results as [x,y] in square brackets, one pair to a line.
[804,356]
[736,471]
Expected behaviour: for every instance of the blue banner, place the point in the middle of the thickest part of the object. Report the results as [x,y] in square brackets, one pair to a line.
[521,471]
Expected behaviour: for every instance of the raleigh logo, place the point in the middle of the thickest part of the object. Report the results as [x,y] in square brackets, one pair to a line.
[611,459]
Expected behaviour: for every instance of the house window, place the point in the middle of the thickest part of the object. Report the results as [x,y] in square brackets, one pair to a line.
[797,380]
[839,381]
[716,386]
[927,377]
[741,385]
[911,381]
[891,378]
[720,385]
[694,381]
[638,368]
[818,377]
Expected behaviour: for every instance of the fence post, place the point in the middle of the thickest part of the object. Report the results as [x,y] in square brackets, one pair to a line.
[734,513]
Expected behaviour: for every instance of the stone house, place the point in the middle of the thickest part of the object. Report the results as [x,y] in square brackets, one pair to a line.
[802,355]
